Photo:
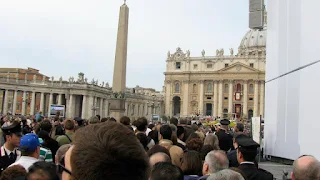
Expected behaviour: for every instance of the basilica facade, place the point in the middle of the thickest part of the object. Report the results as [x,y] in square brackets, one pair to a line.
[218,86]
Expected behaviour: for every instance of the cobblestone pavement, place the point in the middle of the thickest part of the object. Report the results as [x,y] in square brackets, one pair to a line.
[276,169]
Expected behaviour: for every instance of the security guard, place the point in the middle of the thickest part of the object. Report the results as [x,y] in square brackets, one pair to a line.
[225,139]
[246,153]
[9,152]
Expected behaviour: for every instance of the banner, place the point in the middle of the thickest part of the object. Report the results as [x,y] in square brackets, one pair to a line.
[256,129]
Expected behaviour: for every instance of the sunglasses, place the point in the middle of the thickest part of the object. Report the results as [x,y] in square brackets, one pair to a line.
[61,167]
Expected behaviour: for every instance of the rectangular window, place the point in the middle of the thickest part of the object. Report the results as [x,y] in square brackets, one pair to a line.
[251,65]
[178,65]
[208,97]
[250,99]
[225,98]
[226,65]
[209,66]
[226,88]
[195,66]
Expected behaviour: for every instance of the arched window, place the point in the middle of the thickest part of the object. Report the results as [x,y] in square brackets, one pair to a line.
[209,87]
[194,88]
[177,88]
[226,88]
[251,89]
[238,87]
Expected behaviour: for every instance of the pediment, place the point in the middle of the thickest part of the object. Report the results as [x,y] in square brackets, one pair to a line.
[239,67]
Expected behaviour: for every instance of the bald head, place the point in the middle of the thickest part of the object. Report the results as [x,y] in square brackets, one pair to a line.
[159,157]
[306,168]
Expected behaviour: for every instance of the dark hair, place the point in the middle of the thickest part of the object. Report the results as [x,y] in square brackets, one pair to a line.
[44,135]
[125,120]
[13,172]
[192,136]
[104,119]
[98,116]
[69,124]
[141,124]
[166,132]
[205,150]
[151,126]
[43,169]
[180,130]
[166,171]
[158,148]
[174,121]
[248,155]
[240,127]
[46,125]
[59,130]
[112,119]
[154,135]
[191,163]
[194,144]
[143,140]
[108,151]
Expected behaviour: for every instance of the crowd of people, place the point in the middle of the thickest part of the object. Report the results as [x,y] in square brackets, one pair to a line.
[38,148]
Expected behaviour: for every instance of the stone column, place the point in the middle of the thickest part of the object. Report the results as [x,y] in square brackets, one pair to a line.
[168,95]
[71,106]
[185,98]
[256,99]
[90,105]
[33,102]
[84,107]
[24,99]
[60,99]
[14,108]
[262,98]
[101,107]
[230,98]
[5,102]
[42,102]
[50,102]
[220,101]
[201,97]
[106,108]
[245,98]
[215,99]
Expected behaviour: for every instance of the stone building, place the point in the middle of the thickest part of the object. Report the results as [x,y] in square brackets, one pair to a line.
[219,86]
[81,98]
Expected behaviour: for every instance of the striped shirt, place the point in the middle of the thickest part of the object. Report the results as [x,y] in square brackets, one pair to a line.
[45,154]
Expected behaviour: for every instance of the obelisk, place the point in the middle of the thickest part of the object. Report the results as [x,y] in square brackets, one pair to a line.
[117,105]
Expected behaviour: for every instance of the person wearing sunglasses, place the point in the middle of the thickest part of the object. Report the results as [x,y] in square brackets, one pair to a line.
[9,152]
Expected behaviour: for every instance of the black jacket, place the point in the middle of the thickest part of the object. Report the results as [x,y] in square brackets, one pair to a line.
[5,160]
[254,173]
[225,140]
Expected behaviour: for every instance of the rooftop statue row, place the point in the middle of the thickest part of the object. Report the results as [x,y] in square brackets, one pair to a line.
[179,54]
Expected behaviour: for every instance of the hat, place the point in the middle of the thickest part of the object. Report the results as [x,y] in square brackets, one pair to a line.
[29,142]
[225,122]
[246,143]
[13,128]
[93,120]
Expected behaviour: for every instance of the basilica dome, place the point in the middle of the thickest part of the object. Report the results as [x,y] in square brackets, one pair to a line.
[254,38]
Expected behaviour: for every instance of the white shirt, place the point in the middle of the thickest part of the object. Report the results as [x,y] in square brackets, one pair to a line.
[15,151]
[147,131]
[25,161]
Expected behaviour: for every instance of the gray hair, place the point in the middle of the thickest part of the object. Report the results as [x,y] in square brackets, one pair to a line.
[226,174]
[217,160]
[159,157]
[212,140]
[309,169]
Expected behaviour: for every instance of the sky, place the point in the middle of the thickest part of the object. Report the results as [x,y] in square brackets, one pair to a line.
[65,37]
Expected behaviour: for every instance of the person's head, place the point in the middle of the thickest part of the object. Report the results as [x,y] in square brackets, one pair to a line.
[180,132]
[151,126]
[93,120]
[125,120]
[159,157]
[30,145]
[224,124]
[212,139]
[165,132]
[61,153]
[106,151]
[194,127]
[12,134]
[13,172]
[192,136]
[98,116]
[141,124]
[174,121]
[112,119]
[173,128]
[194,144]
[239,127]
[205,150]
[226,174]
[154,135]
[246,148]
[44,135]
[46,125]
[191,163]
[42,170]
[143,140]
[306,168]
[104,119]
[166,171]
[157,149]
[215,161]
[69,125]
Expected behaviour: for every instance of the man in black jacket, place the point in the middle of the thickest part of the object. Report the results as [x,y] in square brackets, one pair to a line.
[225,139]
[246,153]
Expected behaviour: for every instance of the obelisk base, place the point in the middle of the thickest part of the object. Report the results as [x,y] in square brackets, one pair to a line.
[117,108]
